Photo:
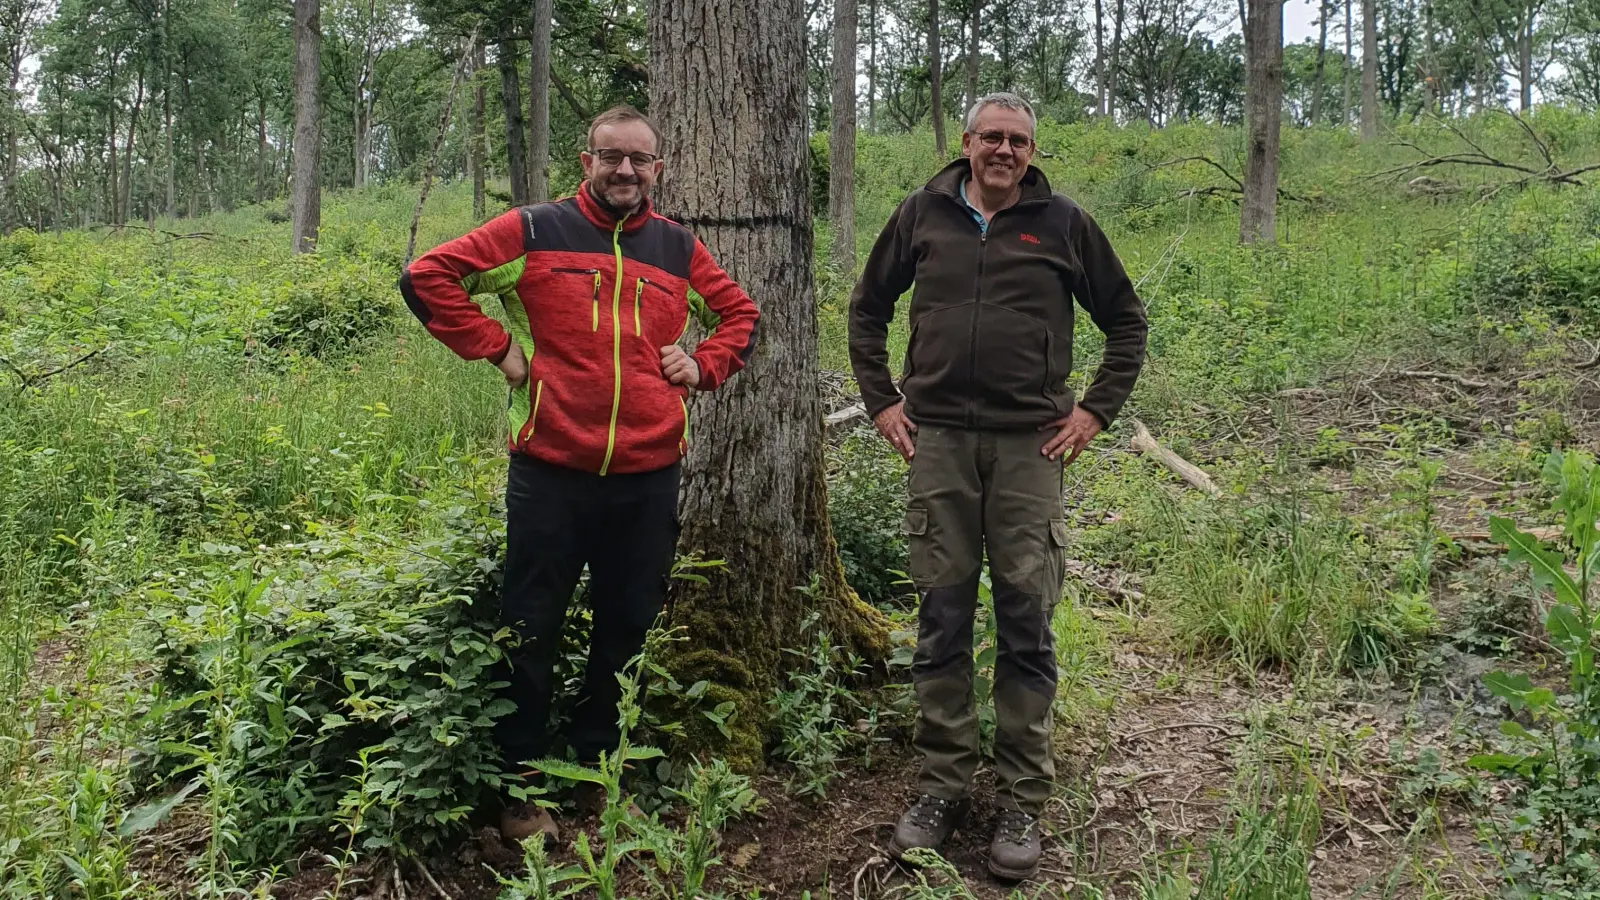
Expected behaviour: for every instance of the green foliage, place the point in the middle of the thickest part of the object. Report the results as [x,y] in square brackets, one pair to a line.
[816,713]
[867,509]
[714,794]
[351,645]
[328,308]
[1550,846]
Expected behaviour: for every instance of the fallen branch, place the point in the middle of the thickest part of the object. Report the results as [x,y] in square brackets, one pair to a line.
[423,868]
[31,380]
[1445,376]
[1145,443]
[844,418]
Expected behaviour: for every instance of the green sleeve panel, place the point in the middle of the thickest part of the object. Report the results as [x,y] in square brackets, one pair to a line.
[498,280]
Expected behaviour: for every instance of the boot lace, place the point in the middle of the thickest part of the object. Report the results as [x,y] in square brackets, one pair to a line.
[1014,827]
[929,812]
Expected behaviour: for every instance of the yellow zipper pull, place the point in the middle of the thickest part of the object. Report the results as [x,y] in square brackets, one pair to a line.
[638,291]
[594,324]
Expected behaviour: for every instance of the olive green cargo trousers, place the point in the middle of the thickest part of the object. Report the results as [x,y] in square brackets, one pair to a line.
[973,491]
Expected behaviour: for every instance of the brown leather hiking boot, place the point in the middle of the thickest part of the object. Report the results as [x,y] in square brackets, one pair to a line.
[1014,852]
[520,821]
[928,824]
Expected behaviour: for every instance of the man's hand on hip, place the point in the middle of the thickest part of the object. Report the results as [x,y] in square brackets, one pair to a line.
[1076,430]
[679,367]
[514,366]
[897,429]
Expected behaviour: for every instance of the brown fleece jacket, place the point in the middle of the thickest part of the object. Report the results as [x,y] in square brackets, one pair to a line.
[991,314]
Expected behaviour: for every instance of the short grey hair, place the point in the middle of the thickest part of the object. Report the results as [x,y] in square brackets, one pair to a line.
[1004,100]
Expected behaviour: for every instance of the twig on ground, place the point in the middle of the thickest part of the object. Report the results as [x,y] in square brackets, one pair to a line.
[423,868]
[1445,376]
[1176,725]
[31,380]
[1594,356]
[1145,443]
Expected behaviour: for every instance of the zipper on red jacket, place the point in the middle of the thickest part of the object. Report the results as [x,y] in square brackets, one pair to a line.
[616,346]
[594,297]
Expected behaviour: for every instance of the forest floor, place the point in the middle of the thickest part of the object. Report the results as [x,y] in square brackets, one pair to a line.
[1152,746]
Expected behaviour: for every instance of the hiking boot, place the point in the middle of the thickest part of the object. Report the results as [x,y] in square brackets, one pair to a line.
[1014,852]
[928,824]
[520,821]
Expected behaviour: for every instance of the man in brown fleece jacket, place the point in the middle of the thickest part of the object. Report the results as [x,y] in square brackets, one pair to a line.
[984,418]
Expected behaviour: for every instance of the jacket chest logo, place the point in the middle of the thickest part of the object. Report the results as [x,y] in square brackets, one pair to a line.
[1029,238]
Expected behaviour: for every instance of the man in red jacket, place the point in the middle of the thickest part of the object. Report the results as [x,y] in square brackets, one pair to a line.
[595,288]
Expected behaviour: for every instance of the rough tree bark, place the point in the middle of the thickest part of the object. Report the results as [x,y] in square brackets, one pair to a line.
[935,76]
[842,139]
[516,133]
[974,51]
[1116,62]
[479,149]
[1369,69]
[539,103]
[727,86]
[1317,78]
[1525,61]
[1263,34]
[307,197]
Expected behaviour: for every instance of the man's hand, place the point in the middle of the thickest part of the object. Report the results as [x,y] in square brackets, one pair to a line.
[514,366]
[679,367]
[1077,429]
[897,429]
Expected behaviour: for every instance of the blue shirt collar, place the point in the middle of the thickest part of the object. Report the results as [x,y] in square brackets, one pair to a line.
[983,224]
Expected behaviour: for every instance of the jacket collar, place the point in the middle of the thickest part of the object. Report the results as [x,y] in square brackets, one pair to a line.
[601,215]
[1035,186]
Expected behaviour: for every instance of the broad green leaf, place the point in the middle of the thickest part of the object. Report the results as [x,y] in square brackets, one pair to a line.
[151,814]
[571,771]
[1567,629]
[637,753]
[1546,564]
[1513,689]
[1515,729]
[1495,762]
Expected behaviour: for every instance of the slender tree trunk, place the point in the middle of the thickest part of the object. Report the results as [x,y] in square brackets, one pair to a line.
[438,141]
[1263,33]
[1116,61]
[1525,62]
[127,150]
[974,52]
[842,139]
[307,198]
[935,76]
[872,72]
[1369,69]
[261,148]
[539,104]
[1317,79]
[511,103]
[1100,57]
[731,101]
[479,150]
[1349,61]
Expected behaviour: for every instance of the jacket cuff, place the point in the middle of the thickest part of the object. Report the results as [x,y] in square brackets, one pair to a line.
[708,377]
[499,356]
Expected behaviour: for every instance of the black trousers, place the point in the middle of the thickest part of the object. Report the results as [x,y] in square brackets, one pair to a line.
[625,528]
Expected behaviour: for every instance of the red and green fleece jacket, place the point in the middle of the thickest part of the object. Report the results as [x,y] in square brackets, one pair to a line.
[592,301]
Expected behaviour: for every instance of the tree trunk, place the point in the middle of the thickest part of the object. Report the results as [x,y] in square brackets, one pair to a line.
[1100,57]
[539,104]
[511,103]
[1369,69]
[1349,59]
[935,74]
[1116,61]
[842,139]
[1525,62]
[261,148]
[307,198]
[1263,33]
[872,72]
[127,151]
[479,150]
[731,101]
[974,51]
[1322,58]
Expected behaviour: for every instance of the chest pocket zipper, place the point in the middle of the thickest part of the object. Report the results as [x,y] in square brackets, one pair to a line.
[638,294]
[594,296]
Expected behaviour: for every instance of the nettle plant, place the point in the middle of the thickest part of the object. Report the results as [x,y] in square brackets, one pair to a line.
[1551,843]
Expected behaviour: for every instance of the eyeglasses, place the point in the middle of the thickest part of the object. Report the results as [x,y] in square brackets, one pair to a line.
[992,139]
[613,158]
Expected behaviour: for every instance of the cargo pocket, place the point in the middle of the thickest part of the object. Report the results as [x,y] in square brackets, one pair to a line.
[1055,567]
[916,531]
